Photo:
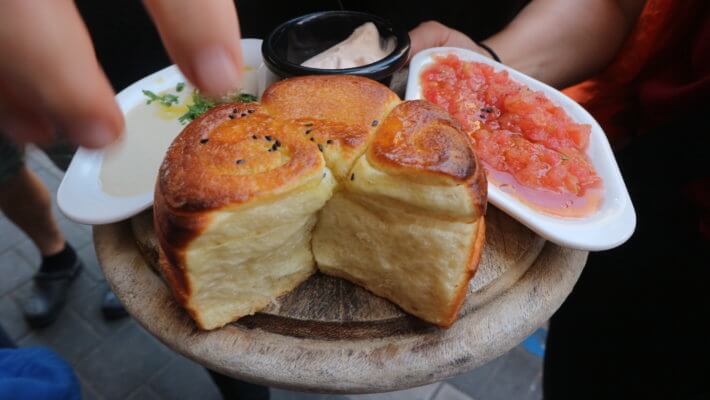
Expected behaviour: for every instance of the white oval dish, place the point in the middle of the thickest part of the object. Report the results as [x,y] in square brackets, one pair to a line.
[81,196]
[611,225]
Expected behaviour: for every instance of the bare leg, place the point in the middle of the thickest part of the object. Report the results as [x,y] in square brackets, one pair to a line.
[26,202]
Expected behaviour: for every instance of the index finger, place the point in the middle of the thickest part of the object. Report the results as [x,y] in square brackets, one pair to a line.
[202,38]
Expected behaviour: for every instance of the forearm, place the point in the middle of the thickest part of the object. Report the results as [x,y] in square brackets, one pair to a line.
[562,42]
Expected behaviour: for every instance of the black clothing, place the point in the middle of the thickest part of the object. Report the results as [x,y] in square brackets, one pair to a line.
[129,48]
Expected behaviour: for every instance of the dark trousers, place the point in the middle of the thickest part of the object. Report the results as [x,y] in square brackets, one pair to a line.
[5,341]
[635,325]
[233,389]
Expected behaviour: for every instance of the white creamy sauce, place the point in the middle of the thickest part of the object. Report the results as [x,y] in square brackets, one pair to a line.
[130,165]
[250,81]
[364,46]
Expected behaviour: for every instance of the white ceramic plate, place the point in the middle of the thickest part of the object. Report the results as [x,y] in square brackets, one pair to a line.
[611,225]
[81,195]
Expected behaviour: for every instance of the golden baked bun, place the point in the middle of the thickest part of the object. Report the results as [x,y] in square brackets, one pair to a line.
[407,225]
[235,203]
[242,188]
[339,112]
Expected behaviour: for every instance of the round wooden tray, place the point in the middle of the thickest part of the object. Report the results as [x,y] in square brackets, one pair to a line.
[329,335]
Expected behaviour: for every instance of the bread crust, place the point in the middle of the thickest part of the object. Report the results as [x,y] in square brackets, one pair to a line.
[471,269]
[338,113]
[175,231]
[347,99]
[420,139]
[227,157]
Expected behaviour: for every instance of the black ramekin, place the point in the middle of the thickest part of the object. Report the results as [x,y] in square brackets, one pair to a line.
[301,38]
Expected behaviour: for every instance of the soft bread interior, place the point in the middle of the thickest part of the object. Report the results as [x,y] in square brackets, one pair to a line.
[430,196]
[380,232]
[251,254]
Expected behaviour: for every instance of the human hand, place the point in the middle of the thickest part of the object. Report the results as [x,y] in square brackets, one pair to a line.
[50,79]
[434,34]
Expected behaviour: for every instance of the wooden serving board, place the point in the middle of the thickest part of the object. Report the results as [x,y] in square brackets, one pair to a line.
[329,335]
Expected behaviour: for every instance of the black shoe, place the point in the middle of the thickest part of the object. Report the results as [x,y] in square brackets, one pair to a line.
[49,295]
[111,307]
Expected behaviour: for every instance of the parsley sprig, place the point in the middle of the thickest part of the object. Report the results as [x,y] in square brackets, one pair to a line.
[200,104]
[166,99]
[244,98]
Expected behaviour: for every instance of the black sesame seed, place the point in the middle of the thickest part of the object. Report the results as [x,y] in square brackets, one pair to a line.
[352,176]
[243,114]
[277,143]
[203,141]
[250,111]
[320,147]
[308,124]
[308,131]
[375,122]
[329,141]
[253,136]
[231,116]
[312,140]
[234,110]
[240,161]
[267,137]
[274,147]
[482,116]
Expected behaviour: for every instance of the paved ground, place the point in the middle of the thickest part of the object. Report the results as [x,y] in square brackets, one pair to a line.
[119,360]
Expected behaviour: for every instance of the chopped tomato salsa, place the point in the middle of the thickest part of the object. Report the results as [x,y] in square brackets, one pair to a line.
[515,130]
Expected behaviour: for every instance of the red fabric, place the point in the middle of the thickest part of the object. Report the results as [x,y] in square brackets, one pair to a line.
[661,71]
[661,74]
[680,79]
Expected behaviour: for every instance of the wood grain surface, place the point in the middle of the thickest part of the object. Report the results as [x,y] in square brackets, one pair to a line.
[329,335]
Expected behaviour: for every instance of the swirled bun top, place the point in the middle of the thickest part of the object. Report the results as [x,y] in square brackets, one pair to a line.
[341,113]
[420,156]
[233,154]
[350,100]
[417,138]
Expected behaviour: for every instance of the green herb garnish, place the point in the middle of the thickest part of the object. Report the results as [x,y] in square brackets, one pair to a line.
[564,157]
[244,98]
[200,104]
[166,99]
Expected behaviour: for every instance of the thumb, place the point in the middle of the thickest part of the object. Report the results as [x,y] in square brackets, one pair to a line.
[202,38]
[433,34]
[427,34]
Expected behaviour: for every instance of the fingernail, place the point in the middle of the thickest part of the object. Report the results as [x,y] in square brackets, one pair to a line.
[215,71]
[93,134]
